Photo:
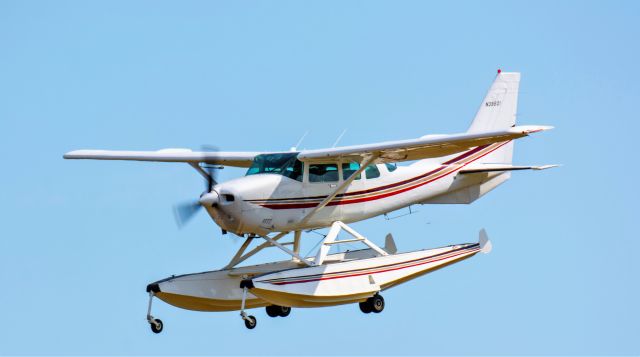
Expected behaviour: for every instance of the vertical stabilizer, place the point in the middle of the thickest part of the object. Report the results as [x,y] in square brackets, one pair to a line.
[497,112]
[498,109]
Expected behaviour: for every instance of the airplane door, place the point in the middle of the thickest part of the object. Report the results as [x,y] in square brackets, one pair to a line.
[322,179]
[357,185]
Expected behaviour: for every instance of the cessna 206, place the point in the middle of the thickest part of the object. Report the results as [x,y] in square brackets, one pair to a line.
[292,192]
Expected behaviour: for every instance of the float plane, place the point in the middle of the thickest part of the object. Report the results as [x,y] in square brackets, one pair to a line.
[288,193]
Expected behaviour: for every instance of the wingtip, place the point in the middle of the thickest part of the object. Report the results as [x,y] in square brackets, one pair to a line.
[72,154]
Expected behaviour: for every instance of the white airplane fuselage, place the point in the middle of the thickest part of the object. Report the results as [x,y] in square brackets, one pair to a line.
[264,203]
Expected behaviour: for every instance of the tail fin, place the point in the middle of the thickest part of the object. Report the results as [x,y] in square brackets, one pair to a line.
[485,243]
[390,244]
[498,111]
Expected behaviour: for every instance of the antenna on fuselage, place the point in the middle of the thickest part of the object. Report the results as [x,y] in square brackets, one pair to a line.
[339,138]
[297,145]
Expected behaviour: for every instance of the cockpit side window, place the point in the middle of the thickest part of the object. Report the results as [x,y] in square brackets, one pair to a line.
[349,169]
[323,173]
[371,172]
[294,171]
[285,164]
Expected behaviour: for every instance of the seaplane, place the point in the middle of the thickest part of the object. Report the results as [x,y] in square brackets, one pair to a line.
[288,193]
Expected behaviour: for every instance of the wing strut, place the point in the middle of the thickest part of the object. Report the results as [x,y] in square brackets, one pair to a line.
[363,165]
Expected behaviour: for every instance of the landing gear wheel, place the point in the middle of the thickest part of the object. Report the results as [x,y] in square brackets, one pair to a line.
[156,325]
[284,311]
[272,311]
[275,311]
[250,322]
[376,303]
[365,307]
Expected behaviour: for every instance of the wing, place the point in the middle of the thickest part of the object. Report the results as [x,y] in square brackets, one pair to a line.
[425,147]
[239,159]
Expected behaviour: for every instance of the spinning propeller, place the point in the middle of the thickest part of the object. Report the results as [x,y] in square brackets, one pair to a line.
[184,212]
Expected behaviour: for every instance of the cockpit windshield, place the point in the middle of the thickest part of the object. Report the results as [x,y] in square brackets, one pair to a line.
[285,164]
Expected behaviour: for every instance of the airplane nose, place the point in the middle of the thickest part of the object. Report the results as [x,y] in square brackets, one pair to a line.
[209,199]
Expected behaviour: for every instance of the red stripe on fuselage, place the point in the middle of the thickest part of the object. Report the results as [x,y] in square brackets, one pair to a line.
[340,201]
[380,188]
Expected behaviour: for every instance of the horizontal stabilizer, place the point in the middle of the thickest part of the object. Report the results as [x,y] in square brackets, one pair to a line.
[485,243]
[479,168]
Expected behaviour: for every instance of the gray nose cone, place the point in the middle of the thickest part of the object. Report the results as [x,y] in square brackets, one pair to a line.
[209,199]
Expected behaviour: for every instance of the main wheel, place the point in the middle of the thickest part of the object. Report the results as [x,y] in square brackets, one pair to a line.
[377,303]
[272,311]
[250,322]
[365,307]
[284,311]
[156,325]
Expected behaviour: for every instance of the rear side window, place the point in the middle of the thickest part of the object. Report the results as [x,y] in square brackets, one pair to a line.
[371,172]
[349,169]
[323,173]
[391,167]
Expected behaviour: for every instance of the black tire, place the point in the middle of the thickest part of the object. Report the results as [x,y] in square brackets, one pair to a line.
[250,322]
[156,325]
[365,307]
[284,311]
[376,303]
[272,311]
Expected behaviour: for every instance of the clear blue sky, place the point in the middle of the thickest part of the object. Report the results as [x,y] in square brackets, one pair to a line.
[79,241]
